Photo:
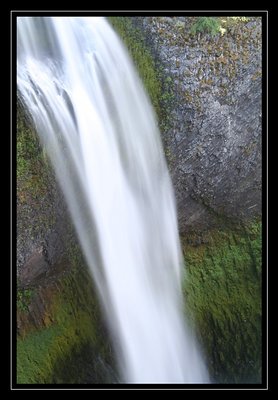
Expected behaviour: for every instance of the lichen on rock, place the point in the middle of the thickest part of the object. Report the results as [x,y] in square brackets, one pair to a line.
[213,132]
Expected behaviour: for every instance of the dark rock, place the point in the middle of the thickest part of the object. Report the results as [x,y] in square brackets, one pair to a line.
[43,224]
[35,267]
[214,137]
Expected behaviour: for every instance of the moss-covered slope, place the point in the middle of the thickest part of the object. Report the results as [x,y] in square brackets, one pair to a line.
[223,293]
[61,336]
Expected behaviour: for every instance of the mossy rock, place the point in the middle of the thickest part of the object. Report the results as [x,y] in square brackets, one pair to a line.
[142,58]
[32,166]
[223,298]
[68,343]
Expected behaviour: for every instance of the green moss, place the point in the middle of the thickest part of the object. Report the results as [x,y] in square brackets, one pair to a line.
[24,297]
[32,166]
[82,365]
[160,88]
[223,293]
[35,354]
[74,324]
[142,58]
[60,321]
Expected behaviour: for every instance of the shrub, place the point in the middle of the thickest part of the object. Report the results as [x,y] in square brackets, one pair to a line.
[209,25]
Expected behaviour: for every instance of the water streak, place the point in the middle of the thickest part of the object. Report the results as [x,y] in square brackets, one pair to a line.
[98,127]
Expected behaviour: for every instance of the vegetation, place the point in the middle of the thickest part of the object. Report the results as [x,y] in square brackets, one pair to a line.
[142,58]
[32,165]
[223,293]
[222,283]
[24,297]
[159,87]
[71,328]
[215,25]
[210,25]
[60,334]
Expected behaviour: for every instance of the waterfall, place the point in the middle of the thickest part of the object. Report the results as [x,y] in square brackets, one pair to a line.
[97,125]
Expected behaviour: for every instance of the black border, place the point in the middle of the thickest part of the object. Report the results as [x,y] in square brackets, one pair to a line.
[264,15]
[264,200]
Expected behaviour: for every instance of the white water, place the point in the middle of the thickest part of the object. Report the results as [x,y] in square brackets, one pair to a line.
[97,124]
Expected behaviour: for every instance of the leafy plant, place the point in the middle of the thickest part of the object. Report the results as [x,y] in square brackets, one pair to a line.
[209,25]
[24,297]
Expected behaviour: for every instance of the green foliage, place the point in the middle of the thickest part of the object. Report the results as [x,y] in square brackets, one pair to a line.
[238,19]
[73,325]
[210,25]
[223,293]
[32,167]
[24,297]
[34,355]
[141,56]
[228,23]
[27,147]
[161,89]
[215,25]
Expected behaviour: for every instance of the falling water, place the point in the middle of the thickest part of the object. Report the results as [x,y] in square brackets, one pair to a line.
[97,125]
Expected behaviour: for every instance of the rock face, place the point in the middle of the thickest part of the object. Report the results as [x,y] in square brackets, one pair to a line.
[43,224]
[213,98]
[223,296]
[61,336]
[212,135]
